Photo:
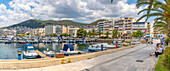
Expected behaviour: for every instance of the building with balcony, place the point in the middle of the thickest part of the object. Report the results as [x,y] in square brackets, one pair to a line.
[140,26]
[50,29]
[73,31]
[149,30]
[157,33]
[8,32]
[56,29]
[124,25]
[107,25]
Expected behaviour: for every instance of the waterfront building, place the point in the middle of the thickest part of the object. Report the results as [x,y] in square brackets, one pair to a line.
[50,29]
[124,26]
[8,32]
[140,26]
[73,31]
[65,29]
[149,30]
[56,29]
[157,33]
[107,25]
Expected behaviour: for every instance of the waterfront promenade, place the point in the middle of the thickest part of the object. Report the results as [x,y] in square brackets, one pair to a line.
[125,60]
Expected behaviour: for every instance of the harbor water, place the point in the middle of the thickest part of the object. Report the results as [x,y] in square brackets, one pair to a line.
[9,51]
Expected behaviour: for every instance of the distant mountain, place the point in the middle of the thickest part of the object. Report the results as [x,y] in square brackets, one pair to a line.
[34,23]
[95,22]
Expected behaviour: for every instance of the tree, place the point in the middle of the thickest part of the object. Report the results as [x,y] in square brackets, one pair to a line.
[139,33]
[55,35]
[160,10]
[81,32]
[100,33]
[115,33]
[65,34]
[93,32]
[51,35]
[119,34]
[89,34]
[27,33]
[135,34]
[107,34]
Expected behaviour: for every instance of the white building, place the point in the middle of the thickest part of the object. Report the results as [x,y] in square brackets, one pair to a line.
[73,31]
[8,32]
[139,26]
[50,29]
[106,25]
[56,29]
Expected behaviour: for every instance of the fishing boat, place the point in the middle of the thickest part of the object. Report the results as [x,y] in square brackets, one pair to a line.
[49,53]
[30,53]
[68,50]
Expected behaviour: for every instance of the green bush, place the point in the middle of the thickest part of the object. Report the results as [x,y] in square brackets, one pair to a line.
[167,57]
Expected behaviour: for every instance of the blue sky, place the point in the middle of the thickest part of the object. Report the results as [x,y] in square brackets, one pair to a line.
[86,11]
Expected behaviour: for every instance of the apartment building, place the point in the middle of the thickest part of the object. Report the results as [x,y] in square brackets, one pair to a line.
[149,30]
[73,31]
[157,33]
[8,32]
[56,29]
[125,25]
[140,26]
[50,29]
[107,25]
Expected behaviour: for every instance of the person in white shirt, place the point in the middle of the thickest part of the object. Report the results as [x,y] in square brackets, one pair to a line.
[158,50]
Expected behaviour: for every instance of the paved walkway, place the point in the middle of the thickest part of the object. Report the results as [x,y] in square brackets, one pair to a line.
[119,61]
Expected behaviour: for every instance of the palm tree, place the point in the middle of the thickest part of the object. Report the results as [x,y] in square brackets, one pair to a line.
[93,32]
[89,33]
[107,34]
[115,33]
[160,10]
[100,33]
[111,1]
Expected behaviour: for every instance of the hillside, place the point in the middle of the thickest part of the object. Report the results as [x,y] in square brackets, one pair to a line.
[95,22]
[34,23]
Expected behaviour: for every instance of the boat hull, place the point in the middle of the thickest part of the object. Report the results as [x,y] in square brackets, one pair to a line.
[30,57]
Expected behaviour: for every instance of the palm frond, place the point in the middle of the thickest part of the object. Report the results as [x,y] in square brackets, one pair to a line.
[149,15]
[111,1]
[142,1]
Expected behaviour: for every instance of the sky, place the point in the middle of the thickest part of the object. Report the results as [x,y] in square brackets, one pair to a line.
[85,11]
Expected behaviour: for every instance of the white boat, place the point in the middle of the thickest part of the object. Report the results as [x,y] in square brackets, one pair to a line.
[30,53]
[49,53]
[68,50]
[97,47]
[55,41]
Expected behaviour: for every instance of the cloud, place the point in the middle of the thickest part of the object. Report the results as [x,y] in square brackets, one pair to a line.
[81,10]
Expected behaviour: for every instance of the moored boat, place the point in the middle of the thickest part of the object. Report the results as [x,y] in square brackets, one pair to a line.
[30,53]
[49,53]
[68,50]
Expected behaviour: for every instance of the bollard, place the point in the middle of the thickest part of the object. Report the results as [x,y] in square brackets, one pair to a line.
[69,61]
[62,61]
[116,46]
[19,54]
[101,47]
